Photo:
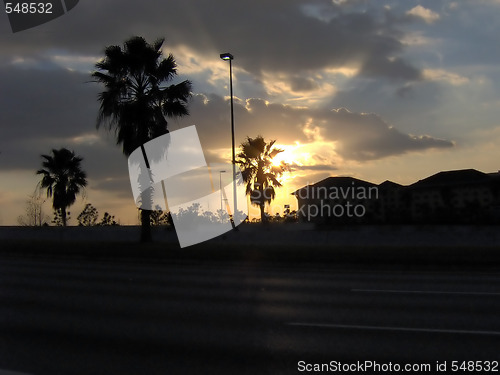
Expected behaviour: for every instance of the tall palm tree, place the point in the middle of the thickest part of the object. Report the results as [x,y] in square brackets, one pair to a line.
[259,172]
[136,100]
[63,178]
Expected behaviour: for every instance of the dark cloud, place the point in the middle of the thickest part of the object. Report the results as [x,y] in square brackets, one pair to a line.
[298,84]
[265,36]
[45,106]
[467,33]
[365,136]
[282,48]
[53,108]
[395,68]
[58,109]
[405,91]
[414,108]
[119,186]
[211,115]
[45,103]
[360,136]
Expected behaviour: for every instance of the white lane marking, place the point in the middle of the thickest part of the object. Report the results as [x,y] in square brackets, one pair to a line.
[423,292]
[399,329]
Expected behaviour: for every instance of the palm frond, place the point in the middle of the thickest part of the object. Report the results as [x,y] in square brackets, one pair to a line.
[62,177]
[136,100]
[258,171]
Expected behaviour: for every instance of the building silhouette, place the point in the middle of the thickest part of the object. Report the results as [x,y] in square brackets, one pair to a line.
[465,196]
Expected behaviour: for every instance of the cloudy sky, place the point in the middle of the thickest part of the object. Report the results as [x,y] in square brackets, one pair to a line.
[377,90]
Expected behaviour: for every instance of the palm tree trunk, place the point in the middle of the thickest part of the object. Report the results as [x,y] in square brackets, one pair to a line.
[63,216]
[262,204]
[263,218]
[146,226]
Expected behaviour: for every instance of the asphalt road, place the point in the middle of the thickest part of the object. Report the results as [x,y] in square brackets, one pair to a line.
[63,316]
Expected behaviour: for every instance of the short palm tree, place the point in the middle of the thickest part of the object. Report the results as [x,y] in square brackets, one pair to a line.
[63,178]
[259,172]
[136,100]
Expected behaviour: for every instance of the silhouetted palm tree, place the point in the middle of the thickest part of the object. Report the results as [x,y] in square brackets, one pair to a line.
[136,100]
[259,173]
[63,178]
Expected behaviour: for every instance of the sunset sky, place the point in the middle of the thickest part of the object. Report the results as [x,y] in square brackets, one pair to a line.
[378,90]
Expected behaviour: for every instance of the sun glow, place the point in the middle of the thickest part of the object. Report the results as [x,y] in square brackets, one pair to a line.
[285,156]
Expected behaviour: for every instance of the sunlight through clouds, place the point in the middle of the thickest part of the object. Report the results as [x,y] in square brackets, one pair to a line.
[445,76]
[427,15]
[195,64]
[76,63]
[301,90]
[88,139]
[377,90]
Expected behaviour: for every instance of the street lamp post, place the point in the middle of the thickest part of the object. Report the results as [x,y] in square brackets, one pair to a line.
[220,188]
[229,57]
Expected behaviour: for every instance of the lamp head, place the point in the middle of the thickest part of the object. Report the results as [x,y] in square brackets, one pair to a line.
[226,56]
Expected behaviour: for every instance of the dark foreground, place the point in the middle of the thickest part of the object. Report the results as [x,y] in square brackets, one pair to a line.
[94,312]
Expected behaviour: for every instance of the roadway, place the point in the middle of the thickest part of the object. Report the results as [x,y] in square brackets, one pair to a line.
[77,316]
